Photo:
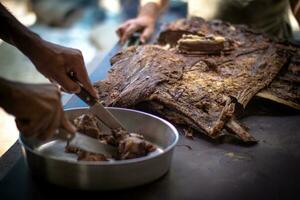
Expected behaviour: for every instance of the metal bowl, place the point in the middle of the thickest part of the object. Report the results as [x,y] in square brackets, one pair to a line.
[48,160]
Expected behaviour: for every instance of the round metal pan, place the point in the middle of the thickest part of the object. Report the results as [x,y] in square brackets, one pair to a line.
[49,161]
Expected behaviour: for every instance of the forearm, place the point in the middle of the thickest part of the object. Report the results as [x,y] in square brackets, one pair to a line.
[6,94]
[152,8]
[15,33]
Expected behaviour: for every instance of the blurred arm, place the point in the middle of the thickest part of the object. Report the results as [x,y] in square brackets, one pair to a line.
[54,61]
[144,22]
[15,33]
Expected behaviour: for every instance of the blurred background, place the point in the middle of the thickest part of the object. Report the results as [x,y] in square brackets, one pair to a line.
[88,25]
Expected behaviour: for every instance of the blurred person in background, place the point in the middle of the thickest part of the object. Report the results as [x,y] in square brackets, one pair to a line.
[37,107]
[269,16]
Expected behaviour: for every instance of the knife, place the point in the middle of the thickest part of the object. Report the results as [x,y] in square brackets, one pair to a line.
[96,107]
[134,40]
[87,143]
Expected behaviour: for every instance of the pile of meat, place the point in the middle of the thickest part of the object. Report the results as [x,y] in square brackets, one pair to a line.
[129,145]
[201,75]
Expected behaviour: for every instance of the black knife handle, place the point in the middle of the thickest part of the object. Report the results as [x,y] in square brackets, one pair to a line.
[134,40]
[83,94]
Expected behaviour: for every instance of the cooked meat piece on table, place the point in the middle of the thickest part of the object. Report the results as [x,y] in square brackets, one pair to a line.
[284,89]
[203,91]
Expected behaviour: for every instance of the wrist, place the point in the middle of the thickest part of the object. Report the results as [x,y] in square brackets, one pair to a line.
[30,44]
[150,11]
[7,90]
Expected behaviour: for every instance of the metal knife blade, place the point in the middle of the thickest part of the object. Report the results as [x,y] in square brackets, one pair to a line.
[96,107]
[90,144]
[105,116]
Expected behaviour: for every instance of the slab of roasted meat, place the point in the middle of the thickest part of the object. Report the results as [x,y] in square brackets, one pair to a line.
[204,91]
[284,89]
[130,145]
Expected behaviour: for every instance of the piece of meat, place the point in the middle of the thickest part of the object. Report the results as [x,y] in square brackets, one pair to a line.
[130,145]
[285,88]
[88,156]
[84,155]
[88,125]
[194,44]
[71,149]
[203,91]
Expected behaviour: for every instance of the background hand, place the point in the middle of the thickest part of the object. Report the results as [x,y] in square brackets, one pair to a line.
[146,24]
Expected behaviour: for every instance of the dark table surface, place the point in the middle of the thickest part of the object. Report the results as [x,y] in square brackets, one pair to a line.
[268,170]
[209,170]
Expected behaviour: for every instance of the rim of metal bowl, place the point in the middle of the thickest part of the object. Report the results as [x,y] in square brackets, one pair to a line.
[121,162]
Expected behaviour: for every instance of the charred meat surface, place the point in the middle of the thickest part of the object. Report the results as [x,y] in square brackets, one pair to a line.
[284,88]
[194,44]
[203,91]
[130,145]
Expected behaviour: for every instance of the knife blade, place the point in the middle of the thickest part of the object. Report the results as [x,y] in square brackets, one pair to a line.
[96,107]
[86,143]
[90,144]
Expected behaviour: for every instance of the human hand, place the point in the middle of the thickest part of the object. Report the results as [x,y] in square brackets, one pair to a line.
[146,24]
[37,108]
[57,62]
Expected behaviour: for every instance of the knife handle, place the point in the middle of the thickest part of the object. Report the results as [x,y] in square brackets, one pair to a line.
[83,94]
[86,97]
[134,40]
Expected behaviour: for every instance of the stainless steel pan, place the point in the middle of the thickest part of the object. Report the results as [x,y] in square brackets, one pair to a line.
[49,161]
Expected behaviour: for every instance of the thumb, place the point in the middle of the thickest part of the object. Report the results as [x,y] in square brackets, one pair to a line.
[146,34]
[67,125]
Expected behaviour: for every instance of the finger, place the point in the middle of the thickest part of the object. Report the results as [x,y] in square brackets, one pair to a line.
[120,30]
[40,125]
[24,127]
[82,77]
[60,88]
[49,130]
[146,34]
[129,31]
[66,124]
[67,83]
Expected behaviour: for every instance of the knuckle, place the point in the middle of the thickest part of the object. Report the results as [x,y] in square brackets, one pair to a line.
[78,52]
